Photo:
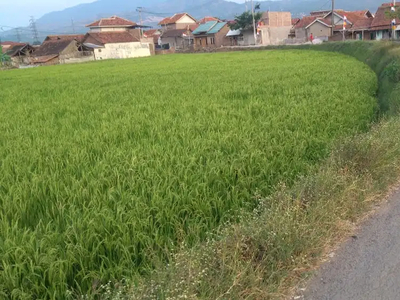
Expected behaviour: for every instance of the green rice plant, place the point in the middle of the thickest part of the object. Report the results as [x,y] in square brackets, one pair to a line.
[105,168]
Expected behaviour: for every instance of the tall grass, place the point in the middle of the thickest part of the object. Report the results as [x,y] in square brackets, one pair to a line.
[106,167]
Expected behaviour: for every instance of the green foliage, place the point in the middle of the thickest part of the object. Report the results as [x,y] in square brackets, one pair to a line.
[106,167]
[3,56]
[245,20]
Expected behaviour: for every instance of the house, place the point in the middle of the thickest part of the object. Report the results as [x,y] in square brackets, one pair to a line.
[381,26]
[77,37]
[177,31]
[115,37]
[153,34]
[211,35]
[61,50]
[273,29]
[20,54]
[6,45]
[319,25]
[177,21]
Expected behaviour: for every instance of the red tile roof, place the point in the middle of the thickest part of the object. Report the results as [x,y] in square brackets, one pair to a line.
[362,24]
[10,43]
[112,21]
[65,37]
[101,38]
[207,19]
[305,21]
[151,33]
[381,20]
[174,19]
[295,21]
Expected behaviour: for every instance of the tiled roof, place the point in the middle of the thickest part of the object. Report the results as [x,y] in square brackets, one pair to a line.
[362,24]
[175,33]
[382,21]
[112,21]
[305,21]
[52,47]
[112,37]
[14,50]
[66,37]
[207,19]
[295,21]
[44,58]
[151,32]
[9,43]
[174,19]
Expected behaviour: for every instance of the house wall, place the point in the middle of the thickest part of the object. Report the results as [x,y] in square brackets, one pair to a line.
[123,50]
[186,20]
[173,42]
[108,29]
[274,35]
[301,33]
[318,30]
[220,37]
[248,38]
[71,51]
[277,19]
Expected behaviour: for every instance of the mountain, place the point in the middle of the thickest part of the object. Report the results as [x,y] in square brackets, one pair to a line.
[75,18]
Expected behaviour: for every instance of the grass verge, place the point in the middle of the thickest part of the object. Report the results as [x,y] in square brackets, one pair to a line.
[275,246]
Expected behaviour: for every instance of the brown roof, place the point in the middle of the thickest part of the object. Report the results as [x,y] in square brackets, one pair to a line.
[19,49]
[111,37]
[66,37]
[10,43]
[43,59]
[207,19]
[295,21]
[151,33]
[362,24]
[175,33]
[305,21]
[112,21]
[174,19]
[52,47]
[381,20]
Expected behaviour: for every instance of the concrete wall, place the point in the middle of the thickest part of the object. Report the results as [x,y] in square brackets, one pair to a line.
[186,20]
[108,29]
[78,60]
[301,33]
[277,19]
[71,52]
[274,35]
[123,50]
[318,30]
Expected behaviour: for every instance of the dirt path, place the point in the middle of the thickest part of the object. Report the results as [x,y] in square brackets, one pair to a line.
[367,266]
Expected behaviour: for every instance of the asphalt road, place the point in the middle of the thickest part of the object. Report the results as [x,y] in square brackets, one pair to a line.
[367,266]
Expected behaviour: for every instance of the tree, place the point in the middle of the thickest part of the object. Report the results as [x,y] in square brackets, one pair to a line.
[245,20]
[3,57]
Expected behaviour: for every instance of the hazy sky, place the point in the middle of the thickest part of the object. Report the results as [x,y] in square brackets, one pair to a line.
[17,13]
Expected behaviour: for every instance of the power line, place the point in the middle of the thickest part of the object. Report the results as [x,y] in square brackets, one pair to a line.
[18,34]
[73,25]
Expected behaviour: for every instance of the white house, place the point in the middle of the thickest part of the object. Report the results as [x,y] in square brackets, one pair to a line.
[115,37]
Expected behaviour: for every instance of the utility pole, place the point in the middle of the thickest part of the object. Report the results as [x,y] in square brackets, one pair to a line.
[18,34]
[35,35]
[393,23]
[140,10]
[254,23]
[245,3]
[333,17]
[73,25]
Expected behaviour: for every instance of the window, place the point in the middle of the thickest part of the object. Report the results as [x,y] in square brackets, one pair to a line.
[212,41]
[99,50]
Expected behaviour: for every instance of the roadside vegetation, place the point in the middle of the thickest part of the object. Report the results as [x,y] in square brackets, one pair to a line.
[279,244]
[112,171]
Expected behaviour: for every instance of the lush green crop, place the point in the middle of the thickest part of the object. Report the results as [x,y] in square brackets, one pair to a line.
[105,165]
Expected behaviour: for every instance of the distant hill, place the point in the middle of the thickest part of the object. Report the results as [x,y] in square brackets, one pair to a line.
[75,18]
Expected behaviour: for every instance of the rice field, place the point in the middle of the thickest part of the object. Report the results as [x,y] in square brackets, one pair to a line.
[106,167]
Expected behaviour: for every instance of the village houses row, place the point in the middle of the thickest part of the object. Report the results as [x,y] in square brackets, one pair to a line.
[115,37]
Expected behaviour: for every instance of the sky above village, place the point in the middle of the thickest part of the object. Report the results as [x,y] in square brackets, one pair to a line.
[17,13]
